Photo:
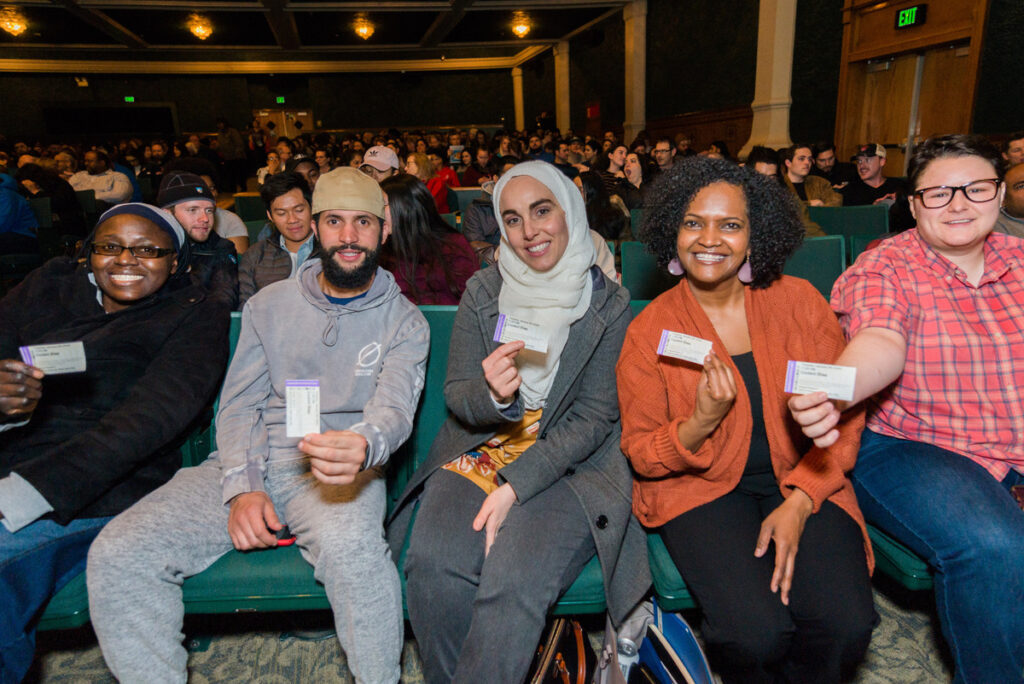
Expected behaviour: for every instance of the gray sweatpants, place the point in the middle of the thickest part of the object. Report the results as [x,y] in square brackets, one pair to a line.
[138,563]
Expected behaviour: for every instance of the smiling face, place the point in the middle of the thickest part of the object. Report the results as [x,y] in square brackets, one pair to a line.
[714,236]
[870,170]
[125,279]
[196,217]
[960,227]
[350,241]
[534,223]
[290,215]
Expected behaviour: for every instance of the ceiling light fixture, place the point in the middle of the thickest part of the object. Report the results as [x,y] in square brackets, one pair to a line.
[12,21]
[363,26]
[200,26]
[521,24]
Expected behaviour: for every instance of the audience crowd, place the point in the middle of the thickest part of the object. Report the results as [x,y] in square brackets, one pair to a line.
[565,440]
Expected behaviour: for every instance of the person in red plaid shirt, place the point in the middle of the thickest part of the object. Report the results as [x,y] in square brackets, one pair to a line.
[935,322]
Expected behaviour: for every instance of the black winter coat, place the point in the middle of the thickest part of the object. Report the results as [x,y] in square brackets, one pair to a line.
[101,439]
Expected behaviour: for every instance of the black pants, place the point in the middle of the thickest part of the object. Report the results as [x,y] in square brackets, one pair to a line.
[751,636]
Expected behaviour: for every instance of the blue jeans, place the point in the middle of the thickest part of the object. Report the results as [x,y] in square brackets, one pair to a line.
[968,527]
[35,562]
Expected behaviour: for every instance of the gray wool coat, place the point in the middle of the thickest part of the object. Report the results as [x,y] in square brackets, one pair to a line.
[579,431]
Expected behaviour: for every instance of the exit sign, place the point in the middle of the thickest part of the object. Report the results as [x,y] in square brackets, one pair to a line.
[280,100]
[129,98]
[911,16]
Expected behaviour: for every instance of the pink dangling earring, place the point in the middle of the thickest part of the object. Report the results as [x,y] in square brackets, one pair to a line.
[745,275]
[675,268]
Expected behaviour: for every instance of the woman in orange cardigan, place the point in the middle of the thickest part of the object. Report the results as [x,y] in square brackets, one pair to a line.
[722,472]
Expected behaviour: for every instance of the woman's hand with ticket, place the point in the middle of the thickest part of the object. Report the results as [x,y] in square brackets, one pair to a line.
[501,373]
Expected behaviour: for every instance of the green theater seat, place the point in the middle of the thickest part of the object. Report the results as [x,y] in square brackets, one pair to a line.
[669,587]
[820,260]
[898,562]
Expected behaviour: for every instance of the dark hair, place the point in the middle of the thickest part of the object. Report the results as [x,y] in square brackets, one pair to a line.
[594,145]
[601,215]
[723,149]
[46,179]
[775,226]
[952,146]
[417,232]
[1016,135]
[786,154]
[346,157]
[197,165]
[822,146]
[282,183]
[763,155]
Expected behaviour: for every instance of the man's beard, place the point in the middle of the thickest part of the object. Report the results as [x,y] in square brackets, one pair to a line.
[355,279]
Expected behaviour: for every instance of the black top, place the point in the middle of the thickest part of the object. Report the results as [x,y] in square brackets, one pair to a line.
[758,477]
[801,191]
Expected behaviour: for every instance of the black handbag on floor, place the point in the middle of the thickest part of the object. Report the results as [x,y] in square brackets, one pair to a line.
[564,655]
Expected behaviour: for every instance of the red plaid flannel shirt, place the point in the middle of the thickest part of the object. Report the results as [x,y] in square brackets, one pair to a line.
[961,388]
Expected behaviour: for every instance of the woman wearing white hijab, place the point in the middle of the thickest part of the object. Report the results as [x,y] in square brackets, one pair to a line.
[525,481]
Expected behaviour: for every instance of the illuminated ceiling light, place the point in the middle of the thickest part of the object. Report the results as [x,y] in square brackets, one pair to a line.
[200,26]
[521,24]
[362,26]
[12,21]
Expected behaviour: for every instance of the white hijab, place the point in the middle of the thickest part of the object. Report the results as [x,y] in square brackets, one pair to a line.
[554,299]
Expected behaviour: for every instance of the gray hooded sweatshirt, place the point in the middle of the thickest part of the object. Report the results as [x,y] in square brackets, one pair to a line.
[369,355]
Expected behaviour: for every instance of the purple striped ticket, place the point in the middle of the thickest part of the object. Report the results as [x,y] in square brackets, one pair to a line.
[302,407]
[510,329]
[836,381]
[682,346]
[54,359]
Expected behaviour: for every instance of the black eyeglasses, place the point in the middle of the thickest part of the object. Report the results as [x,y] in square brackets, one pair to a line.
[139,251]
[940,195]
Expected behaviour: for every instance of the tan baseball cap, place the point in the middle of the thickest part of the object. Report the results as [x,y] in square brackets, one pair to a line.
[348,189]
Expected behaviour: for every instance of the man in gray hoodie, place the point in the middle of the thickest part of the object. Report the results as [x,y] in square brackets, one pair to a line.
[343,322]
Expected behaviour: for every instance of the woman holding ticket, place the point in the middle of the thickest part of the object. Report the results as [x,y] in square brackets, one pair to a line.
[722,472]
[525,481]
[935,318]
[104,363]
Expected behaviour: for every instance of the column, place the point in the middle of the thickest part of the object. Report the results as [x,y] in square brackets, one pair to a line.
[635,16]
[776,29]
[562,110]
[517,95]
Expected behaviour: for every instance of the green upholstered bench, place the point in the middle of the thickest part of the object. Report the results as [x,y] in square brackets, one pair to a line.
[280,579]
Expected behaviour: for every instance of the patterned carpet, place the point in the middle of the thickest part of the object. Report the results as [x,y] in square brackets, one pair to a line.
[906,647]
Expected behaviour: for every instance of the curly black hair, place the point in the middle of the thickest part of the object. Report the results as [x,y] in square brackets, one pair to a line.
[775,226]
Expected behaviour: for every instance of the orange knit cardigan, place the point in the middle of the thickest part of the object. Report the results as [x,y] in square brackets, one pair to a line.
[788,320]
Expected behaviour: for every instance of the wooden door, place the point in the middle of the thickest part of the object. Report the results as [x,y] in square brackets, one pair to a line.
[285,119]
[943,107]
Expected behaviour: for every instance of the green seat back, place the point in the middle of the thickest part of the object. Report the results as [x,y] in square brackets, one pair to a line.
[146,187]
[452,219]
[871,220]
[460,198]
[255,228]
[636,217]
[41,209]
[672,592]
[640,272]
[87,200]
[250,208]
[432,410]
[820,260]
[859,244]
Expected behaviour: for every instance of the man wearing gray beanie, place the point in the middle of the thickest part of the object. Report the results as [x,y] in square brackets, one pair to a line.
[214,259]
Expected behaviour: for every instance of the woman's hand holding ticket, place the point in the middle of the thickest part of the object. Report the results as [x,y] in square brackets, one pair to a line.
[501,373]
[21,388]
